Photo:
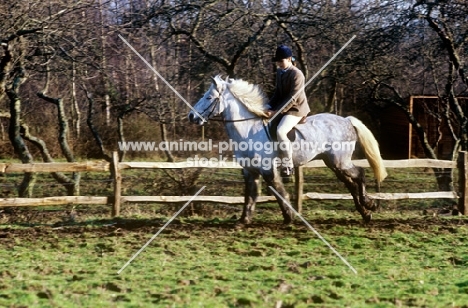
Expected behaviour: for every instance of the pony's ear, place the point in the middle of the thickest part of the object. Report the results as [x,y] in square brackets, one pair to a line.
[216,81]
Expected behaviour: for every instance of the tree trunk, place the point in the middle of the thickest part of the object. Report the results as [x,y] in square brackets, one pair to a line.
[14,132]
[105,80]
[168,153]
[162,125]
[330,107]
[76,113]
[71,185]
[89,120]
[120,130]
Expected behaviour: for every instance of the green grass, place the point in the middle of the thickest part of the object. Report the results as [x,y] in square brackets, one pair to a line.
[402,260]
[68,256]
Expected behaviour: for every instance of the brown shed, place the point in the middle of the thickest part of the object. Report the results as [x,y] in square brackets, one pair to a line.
[398,140]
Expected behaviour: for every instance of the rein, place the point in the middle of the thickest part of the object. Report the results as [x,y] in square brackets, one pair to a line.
[229,121]
[265,125]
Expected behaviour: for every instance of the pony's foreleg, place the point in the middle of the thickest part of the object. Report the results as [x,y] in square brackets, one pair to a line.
[250,195]
[274,180]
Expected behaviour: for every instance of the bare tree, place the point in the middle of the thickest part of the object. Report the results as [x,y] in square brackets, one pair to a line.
[417,49]
[22,33]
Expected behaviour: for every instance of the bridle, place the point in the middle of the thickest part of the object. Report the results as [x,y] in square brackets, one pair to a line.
[212,106]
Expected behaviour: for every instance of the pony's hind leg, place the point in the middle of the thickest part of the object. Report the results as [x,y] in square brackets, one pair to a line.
[360,180]
[353,178]
[250,195]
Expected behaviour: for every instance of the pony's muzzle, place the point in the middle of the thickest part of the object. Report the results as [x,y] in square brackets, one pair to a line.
[193,118]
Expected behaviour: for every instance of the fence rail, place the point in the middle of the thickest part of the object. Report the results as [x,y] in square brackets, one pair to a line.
[115,168]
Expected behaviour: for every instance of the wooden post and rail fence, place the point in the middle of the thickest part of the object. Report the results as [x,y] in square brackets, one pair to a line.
[115,168]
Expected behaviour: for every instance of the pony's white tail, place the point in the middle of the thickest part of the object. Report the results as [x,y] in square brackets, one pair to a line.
[370,147]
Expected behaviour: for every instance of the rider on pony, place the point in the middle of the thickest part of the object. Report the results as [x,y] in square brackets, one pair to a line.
[289,88]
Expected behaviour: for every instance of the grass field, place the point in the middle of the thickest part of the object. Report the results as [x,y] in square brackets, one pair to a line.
[409,256]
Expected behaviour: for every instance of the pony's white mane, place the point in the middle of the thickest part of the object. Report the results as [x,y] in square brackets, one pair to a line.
[250,95]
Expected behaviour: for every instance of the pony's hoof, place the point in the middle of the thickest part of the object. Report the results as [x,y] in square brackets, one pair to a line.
[244,221]
[371,205]
[287,220]
[375,205]
[367,218]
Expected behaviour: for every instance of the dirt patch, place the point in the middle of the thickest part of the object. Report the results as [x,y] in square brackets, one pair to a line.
[115,227]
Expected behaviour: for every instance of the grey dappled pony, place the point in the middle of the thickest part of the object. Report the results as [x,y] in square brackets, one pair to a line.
[241,106]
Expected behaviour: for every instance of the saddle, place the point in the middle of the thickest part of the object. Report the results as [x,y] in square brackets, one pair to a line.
[272,128]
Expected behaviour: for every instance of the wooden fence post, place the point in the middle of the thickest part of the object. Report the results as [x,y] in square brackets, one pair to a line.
[299,187]
[462,182]
[117,179]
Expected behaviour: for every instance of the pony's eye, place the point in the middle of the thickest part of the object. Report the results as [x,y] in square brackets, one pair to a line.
[210,98]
